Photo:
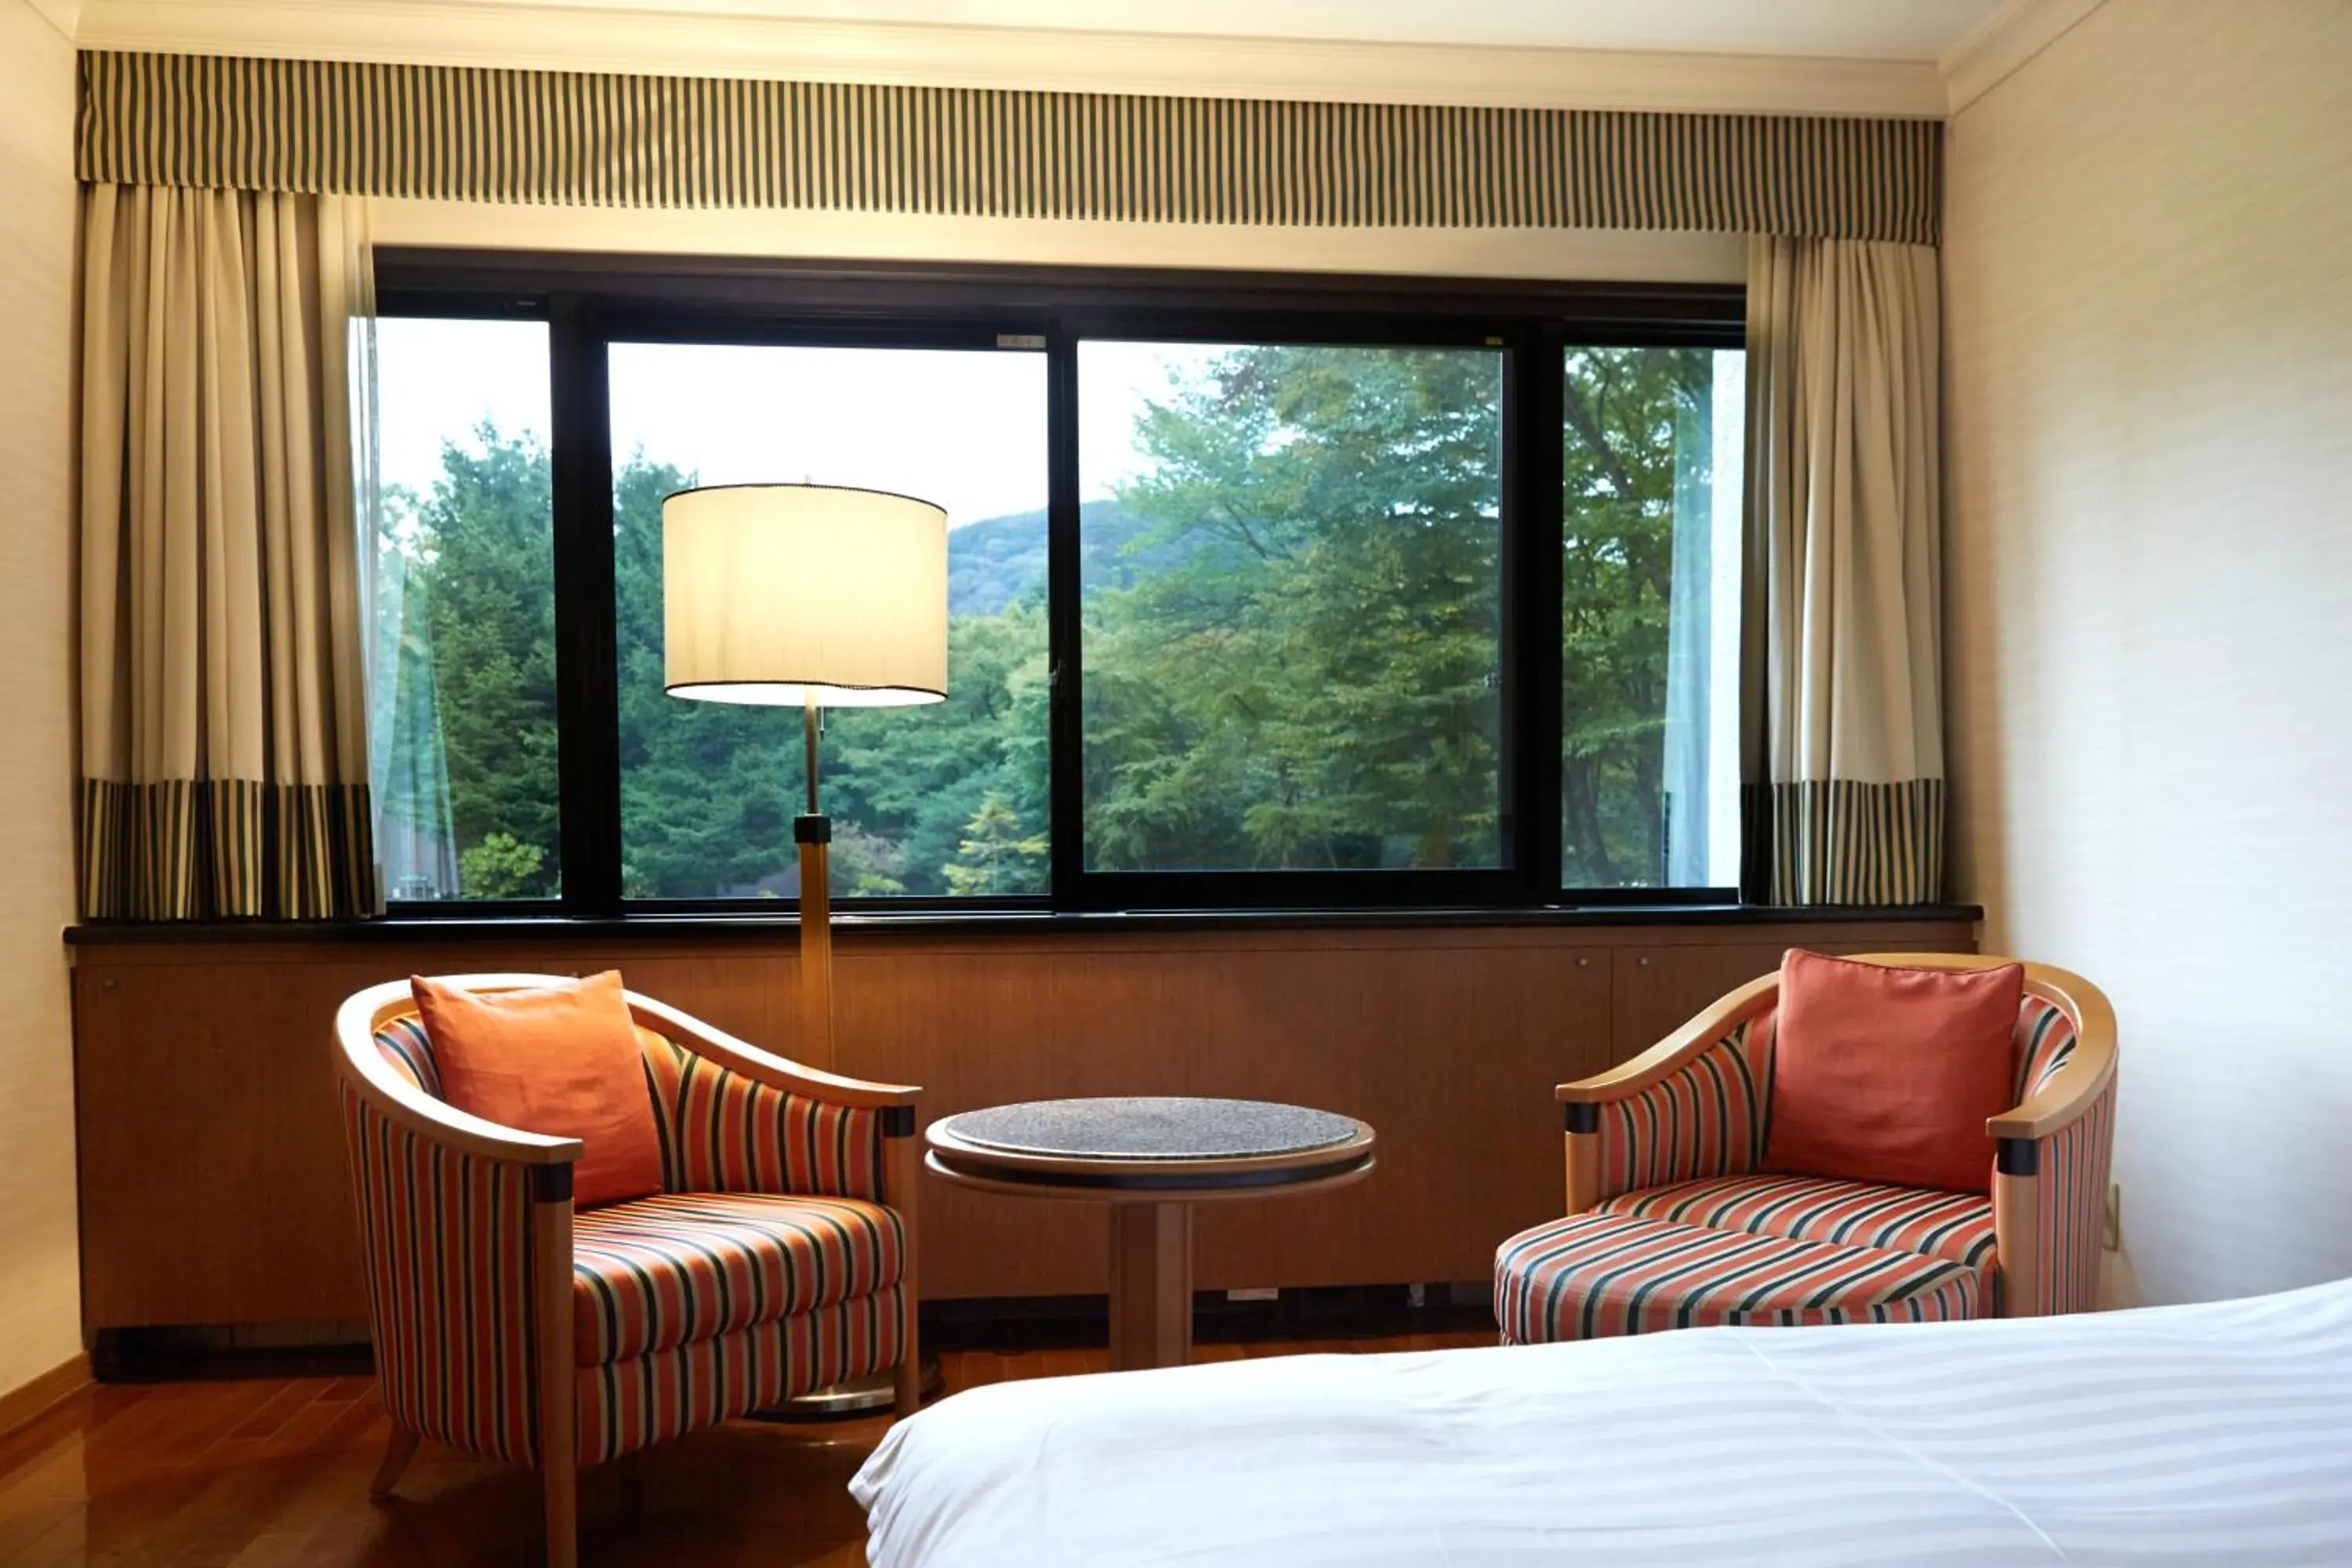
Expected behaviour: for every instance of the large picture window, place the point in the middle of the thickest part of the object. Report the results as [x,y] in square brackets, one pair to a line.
[1262,594]
[1293,623]
[461,590]
[939,800]
[1649,626]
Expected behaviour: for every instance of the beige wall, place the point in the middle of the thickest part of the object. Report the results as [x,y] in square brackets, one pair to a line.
[40,1297]
[2149,262]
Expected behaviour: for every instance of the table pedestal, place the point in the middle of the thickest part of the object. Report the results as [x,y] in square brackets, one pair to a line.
[1150,1158]
[1150,1285]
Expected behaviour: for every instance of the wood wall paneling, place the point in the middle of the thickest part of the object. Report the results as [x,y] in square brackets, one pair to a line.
[213,1180]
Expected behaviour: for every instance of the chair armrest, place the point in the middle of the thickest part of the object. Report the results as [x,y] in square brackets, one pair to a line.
[766,1067]
[2075,1086]
[466,1247]
[397,1101]
[1670,1055]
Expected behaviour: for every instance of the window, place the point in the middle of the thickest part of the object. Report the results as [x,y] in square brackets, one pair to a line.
[1292,568]
[462,727]
[939,800]
[1649,628]
[1263,593]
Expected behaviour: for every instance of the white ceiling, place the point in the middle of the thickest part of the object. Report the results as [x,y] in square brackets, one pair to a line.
[1904,57]
[1847,30]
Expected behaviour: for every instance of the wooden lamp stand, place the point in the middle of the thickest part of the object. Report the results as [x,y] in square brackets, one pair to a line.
[822,595]
[813,831]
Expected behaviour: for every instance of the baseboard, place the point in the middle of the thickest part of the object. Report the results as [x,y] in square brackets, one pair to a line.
[168,1354]
[20,1407]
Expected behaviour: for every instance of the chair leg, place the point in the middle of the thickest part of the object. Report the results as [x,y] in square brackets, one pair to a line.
[905,1156]
[396,1455]
[558,1423]
[559,1483]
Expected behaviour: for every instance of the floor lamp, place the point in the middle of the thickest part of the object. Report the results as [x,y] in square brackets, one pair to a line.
[805,596]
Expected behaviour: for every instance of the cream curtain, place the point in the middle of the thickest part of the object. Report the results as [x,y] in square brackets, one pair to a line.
[1842,760]
[224,737]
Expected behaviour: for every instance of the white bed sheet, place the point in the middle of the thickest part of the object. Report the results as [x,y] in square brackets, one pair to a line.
[2216,1433]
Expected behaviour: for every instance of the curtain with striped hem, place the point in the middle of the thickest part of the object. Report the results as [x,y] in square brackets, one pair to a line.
[1842,841]
[224,740]
[184,849]
[468,134]
[1841,765]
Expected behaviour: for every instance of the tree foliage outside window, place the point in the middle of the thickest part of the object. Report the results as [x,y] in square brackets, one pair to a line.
[1310,678]
[1637,519]
[1291,649]
[464,729]
[918,796]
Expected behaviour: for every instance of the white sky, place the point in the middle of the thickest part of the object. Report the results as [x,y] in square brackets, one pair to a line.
[963,428]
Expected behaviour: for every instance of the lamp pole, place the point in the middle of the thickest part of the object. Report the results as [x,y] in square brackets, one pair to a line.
[813,831]
[836,595]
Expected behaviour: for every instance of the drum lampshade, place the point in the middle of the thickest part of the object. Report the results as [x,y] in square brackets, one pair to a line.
[779,595]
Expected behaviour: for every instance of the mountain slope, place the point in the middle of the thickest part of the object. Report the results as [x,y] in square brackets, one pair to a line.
[994,562]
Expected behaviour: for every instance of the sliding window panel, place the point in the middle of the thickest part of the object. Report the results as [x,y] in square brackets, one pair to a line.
[947,800]
[460,588]
[1649,568]
[1291,610]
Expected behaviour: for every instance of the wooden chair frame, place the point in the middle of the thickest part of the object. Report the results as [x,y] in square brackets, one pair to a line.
[2072,1090]
[363,1068]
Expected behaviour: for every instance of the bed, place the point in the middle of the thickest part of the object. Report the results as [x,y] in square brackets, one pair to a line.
[2182,1435]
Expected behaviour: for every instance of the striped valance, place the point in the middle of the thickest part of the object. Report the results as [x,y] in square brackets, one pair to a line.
[637,140]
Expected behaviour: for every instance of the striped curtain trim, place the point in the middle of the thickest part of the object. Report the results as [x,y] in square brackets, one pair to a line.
[1839,841]
[471,134]
[185,849]
[447,1242]
[1709,1119]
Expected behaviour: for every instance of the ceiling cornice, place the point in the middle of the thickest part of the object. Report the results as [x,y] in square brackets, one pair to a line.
[65,16]
[2002,42]
[673,39]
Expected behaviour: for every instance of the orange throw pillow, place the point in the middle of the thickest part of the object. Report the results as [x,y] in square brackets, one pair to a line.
[1888,1075]
[562,1061]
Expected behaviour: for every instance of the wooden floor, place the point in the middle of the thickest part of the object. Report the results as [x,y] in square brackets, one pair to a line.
[273,1472]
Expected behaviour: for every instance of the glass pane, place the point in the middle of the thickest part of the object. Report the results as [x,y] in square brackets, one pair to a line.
[948,798]
[1650,601]
[461,613]
[1292,587]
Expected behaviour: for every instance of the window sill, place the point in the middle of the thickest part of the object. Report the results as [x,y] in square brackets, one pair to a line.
[405,928]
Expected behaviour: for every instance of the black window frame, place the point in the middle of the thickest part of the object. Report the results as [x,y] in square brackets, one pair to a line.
[592,301]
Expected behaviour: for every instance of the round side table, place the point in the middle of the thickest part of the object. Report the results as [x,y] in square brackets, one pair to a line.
[1151,1160]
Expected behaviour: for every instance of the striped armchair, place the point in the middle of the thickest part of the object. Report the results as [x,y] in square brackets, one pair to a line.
[1671,1225]
[779,1256]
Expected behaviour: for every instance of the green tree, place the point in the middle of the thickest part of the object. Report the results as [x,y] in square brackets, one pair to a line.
[1312,683]
[478,645]
[1626,411]
[995,856]
[501,867]
[708,790]
[1291,647]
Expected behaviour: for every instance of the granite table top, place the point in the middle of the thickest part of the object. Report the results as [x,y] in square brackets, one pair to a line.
[1151,1128]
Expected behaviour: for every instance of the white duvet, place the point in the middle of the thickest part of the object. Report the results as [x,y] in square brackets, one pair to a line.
[2217,1434]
